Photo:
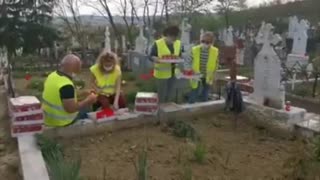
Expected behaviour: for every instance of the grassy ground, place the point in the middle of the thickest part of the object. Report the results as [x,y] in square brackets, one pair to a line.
[305,89]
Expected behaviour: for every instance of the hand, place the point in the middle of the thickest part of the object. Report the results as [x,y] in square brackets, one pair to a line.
[156,60]
[92,98]
[116,105]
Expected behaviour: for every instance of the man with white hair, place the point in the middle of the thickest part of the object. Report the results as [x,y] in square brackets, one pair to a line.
[59,98]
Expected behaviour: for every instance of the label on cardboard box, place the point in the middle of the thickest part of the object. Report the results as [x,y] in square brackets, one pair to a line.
[31,128]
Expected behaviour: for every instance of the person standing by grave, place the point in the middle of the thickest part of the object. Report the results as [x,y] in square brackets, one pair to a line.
[204,60]
[106,81]
[59,98]
[165,72]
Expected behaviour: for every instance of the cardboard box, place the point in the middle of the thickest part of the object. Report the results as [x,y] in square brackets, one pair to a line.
[20,130]
[144,98]
[24,104]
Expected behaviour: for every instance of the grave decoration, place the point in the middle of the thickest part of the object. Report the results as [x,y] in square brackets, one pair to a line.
[104,115]
[26,115]
[146,103]
[267,71]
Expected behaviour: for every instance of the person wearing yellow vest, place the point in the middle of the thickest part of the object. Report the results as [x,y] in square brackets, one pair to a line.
[164,72]
[59,98]
[204,60]
[106,80]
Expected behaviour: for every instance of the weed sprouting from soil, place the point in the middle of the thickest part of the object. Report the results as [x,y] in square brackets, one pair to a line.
[200,153]
[59,169]
[141,166]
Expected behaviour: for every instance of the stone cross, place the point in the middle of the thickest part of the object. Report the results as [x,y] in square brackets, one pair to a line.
[267,70]
[185,32]
[107,45]
[300,38]
[141,41]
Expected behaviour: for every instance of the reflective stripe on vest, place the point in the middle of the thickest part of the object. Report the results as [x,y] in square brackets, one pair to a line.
[58,108]
[211,64]
[106,83]
[54,113]
[164,70]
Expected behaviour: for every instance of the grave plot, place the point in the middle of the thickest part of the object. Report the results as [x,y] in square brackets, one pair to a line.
[204,147]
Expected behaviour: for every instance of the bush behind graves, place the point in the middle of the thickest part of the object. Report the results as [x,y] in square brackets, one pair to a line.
[36,84]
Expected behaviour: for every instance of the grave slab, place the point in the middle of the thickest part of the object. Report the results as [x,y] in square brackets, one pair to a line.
[32,162]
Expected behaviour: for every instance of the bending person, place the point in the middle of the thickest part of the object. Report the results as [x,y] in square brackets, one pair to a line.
[106,80]
[59,98]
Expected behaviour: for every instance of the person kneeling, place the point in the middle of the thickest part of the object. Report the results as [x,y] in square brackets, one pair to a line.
[204,60]
[106,80]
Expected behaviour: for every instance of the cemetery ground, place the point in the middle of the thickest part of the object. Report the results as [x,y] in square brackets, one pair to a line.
[200,148]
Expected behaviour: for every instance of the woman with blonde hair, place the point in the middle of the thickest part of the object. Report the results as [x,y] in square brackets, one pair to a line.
[106,80]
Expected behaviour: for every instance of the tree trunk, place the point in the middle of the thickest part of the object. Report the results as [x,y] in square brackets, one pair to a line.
[226,15]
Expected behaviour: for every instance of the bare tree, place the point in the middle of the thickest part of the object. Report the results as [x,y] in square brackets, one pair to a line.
[104,10]
[187,7]
[226,6]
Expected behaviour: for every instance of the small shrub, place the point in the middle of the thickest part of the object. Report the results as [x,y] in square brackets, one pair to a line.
[302,91]
[184,130]
[200,153]
[36,84]
[131,97]
[129,76]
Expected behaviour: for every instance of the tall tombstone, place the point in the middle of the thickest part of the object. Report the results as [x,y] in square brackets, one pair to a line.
[107,44]
[116,46]
[185,34]
[267,71]
[141,42]
[293,23]
[228,38]
[298,58]
[201,32]
[74,43]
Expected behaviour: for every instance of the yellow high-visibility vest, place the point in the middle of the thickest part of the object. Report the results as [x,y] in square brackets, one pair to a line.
[211,64]
[164,70]
[106,82]
[54,113]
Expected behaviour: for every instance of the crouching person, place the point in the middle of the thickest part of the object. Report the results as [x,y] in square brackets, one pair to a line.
[106,80]
[59,99]
[204,60]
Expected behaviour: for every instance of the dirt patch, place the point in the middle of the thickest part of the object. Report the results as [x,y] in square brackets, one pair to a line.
[248,153]
[9,156]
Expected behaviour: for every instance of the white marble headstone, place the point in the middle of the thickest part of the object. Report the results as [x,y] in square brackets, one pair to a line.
[228,37]
[300,38]
[293,23]
[107,44]
[267,70]
[141,41]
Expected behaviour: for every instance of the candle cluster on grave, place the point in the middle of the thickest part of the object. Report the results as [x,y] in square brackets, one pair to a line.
[26,115]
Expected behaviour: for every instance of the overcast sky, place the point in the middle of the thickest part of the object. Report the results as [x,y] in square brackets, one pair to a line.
[89,11]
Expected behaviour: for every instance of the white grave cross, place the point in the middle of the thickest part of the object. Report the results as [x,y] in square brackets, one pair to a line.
[267,71]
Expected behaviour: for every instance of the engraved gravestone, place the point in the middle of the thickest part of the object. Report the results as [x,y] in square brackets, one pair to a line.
[267,70]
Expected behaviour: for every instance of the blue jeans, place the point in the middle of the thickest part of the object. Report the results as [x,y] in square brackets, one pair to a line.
[201,93]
